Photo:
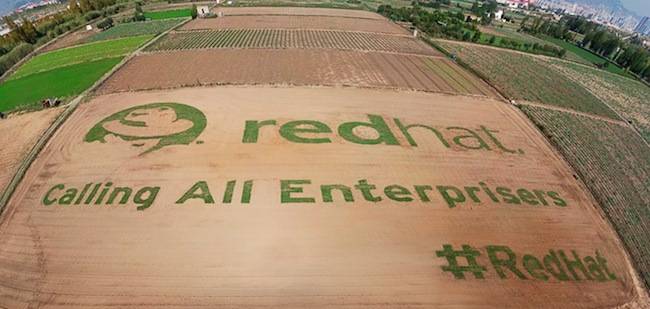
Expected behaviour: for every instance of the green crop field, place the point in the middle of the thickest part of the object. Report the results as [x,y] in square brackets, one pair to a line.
[526,77]
[614,163]
[63,82]
[511,33]
[630,98]
[153,27]
[156,15]
[79,54]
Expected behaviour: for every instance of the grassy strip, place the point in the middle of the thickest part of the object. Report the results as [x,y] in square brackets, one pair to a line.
[158,15]
[62,82]
[153,27]
[79,54]
[589,56]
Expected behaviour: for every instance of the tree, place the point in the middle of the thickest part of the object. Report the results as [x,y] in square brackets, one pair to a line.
[646,72]
[30,35]
[139,14]
[523,22]
[105,24]
[477,36]
[467,36]
[493,39]
[74,7]
[85,6]
[475,8]
[194,12]
[24,33]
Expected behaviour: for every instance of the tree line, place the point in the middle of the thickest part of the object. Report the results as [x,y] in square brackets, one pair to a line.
[447,24]
[630,55]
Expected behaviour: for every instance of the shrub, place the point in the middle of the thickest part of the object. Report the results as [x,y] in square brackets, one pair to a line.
[12,57]
[105,24]
[92,15]
[194,13]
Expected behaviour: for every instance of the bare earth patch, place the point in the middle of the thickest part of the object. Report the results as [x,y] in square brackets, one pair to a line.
[296,22]
[293,67]
[231,11]
[310,253]
[18,134]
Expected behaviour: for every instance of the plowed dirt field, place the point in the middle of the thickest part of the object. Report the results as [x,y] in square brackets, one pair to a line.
[297,22]
[293,67]
[229,11]
[299,197]
[18,134]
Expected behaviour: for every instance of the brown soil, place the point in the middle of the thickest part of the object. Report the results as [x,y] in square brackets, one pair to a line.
[295,67]
[296,22]
[268,254]
[296,11]
[69,40]
[18,134]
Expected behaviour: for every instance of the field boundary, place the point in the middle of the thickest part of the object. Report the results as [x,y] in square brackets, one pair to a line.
[94,42]
[58,122]
[148,52]
[181,31]
[464,66]
[621,123]
[319,15]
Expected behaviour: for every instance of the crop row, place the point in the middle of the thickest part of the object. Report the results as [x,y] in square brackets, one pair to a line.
[614,163]
[280,38]
[627,96]
[526,77]
[153,27]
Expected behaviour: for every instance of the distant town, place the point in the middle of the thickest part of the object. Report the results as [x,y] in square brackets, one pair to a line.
[619,19]
[33,11]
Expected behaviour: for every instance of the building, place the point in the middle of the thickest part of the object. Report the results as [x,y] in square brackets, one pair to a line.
[4,30]
[519,3]
[498,15]
[644,26]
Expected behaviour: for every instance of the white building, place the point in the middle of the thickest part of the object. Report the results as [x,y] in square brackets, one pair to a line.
[203,10]
[498,15]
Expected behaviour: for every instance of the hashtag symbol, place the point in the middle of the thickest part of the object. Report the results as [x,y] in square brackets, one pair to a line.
[452,266]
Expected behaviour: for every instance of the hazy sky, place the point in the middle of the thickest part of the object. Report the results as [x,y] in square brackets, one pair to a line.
[641,7]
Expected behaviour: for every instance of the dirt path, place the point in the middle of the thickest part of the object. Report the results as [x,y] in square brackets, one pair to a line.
[574,112]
